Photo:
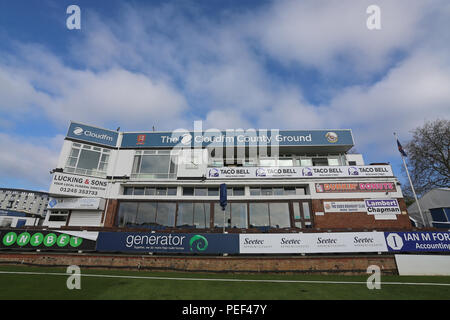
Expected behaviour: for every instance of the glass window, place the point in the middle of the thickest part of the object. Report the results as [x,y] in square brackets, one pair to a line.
[259,214]
[161,191]
[300,191]
[139,191]
[333,161]
[188,191]
[238,191]
[289,191]
[172,191]
[239,215]
[128,191]
[166,214]
[185,214]
[306,162]
[306,212]
[267,162]
[155,164]
[296,210]
[266,191]
[146,213]
[255,191]
[298,224]
[279,215]
[278,191]
[87,160]
[201,215]
[213,191]
[219,215]
[149,191]
[127,213]
[200,191]
[285,162]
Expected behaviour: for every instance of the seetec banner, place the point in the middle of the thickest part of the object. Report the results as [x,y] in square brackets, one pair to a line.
[168,242]
[418,241]
[312,242]
[17,239]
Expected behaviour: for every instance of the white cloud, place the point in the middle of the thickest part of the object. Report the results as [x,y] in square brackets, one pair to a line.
[29,159]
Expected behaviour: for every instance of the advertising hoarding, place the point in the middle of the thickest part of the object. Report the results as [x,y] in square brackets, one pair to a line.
[95,135]
[298,172]
[76,204]
[215,138]
[17,239]
[312,242]
[168,242]
[418,241]
[343,187]
[73,185]
[344,206]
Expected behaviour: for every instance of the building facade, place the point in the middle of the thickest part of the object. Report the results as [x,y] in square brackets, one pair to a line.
[22,207]
[277,181]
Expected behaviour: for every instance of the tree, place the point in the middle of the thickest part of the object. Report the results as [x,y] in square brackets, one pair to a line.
[428,156]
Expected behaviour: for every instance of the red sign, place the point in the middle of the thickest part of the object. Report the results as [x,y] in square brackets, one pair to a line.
[141,139]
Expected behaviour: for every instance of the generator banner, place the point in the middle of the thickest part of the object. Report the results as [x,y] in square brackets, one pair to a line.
[168,242]
[17,239]
[312,242]
[418,241]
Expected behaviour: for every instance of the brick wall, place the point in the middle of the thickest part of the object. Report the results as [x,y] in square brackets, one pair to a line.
[357,220]
[299,264]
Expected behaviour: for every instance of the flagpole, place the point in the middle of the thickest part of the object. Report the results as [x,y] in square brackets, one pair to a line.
[410,182]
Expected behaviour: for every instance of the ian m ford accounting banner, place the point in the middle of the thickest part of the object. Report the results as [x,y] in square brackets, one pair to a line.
[418,241]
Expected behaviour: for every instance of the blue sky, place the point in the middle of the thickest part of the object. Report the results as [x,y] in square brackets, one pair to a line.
[232,64]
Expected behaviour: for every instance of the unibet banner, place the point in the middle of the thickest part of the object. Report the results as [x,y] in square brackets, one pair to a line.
[168,242]
[17,239]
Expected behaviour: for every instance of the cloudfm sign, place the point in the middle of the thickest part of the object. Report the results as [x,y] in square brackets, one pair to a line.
[91,134]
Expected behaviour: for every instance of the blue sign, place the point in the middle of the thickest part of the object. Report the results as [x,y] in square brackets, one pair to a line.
[237,138]
[418,241]
[87,133]
[168,242]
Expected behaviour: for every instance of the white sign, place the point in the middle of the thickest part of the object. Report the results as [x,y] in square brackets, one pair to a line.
[312,242]
[73,185]
[382,206]
[76,203]
[299,172]
[344,206]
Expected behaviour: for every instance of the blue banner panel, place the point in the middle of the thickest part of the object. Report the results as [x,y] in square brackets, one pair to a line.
[418,241]
[167,242]
[92,134]
[237,138]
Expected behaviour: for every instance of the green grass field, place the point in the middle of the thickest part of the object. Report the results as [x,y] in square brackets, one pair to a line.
[49,286]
